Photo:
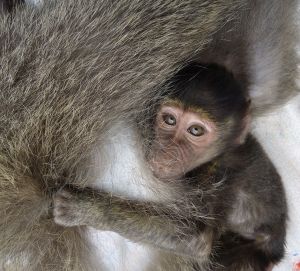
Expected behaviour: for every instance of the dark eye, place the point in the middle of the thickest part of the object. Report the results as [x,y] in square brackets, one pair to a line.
[196,130]
[169,119]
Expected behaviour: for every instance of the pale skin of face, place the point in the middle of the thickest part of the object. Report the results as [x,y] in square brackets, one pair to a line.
[184,139]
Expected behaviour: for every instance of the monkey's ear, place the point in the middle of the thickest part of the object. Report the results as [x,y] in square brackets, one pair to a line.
[244,130]
[245,126]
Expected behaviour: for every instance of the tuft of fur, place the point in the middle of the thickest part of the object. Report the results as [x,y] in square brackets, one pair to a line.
[70,69]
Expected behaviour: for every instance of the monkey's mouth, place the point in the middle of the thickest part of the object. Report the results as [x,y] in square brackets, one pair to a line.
[166,168]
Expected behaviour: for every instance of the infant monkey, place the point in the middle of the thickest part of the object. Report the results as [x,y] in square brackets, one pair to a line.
[232,203]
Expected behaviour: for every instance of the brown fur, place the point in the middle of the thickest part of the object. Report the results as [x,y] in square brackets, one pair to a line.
[72,68]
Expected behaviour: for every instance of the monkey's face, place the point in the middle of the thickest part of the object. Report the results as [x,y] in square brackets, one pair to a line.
[184,139]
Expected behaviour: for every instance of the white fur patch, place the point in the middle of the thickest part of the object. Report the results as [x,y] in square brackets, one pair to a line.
[34,2]
[125,174]
[116,253]
[119,165]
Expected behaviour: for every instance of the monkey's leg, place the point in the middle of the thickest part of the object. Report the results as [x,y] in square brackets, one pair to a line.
[137,221]
[260,248]
[237,253]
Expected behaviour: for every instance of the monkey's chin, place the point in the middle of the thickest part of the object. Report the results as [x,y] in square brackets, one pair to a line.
[162,174]
[165,172]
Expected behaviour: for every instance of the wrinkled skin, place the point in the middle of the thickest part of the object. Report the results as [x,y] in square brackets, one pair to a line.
[184,139]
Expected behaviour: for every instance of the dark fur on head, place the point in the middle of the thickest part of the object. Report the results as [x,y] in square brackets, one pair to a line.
[215,90]
[211,88]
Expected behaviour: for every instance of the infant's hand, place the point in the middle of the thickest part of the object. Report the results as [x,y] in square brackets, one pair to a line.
[72,208]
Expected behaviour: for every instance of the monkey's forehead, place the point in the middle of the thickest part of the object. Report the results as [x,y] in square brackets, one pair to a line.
[185,107]
[172,102]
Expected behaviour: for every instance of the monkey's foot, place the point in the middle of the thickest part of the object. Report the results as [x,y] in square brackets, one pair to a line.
[70,208]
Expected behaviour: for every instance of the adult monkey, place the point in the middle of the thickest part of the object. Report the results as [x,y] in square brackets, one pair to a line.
[70,69]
